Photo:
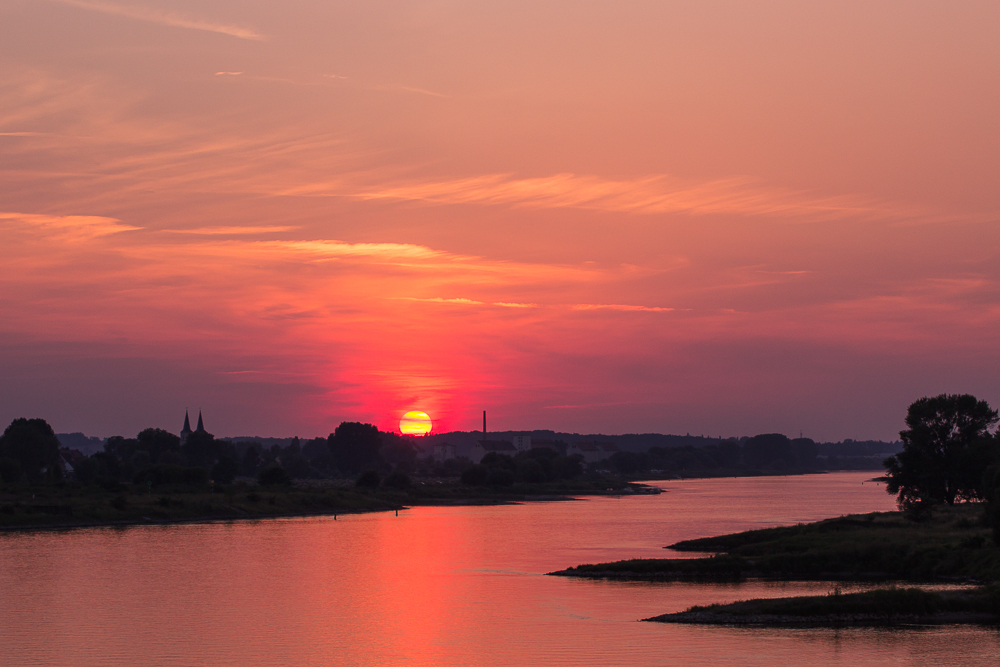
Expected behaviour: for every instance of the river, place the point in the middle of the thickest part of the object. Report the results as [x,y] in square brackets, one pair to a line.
[434,586]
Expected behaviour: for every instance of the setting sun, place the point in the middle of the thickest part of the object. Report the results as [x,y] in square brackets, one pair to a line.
[415,423]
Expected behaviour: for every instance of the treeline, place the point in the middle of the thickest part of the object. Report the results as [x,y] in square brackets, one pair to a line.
[769,452]
[534,466]
[30,453]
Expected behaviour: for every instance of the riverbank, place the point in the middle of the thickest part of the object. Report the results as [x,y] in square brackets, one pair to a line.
[881,546]
[880,607]
[73,505]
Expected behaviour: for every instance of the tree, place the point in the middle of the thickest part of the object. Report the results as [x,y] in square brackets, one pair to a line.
[368,479]
[397,479]
[355,447]
[225,470]
[946,449]
[768,450]
[157,442]
[273,475]
[201,449]
[33,444]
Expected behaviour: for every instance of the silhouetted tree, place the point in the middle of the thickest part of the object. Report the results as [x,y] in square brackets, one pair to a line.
[33,444]
[945,449]
[10,470]
[355,447]
[273,475]
[475,475]
[225,470]
[368,479]
[201,449]
[531,471]
[157,442]
[768,450]
[397,479]
[805,450]
[251,462]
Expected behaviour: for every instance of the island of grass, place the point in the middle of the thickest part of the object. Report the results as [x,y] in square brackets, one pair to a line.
[884,606]
[952,545]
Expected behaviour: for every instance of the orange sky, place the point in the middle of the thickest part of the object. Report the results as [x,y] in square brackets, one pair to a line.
[707,217]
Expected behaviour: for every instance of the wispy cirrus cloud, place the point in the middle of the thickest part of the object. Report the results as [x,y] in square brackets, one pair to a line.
[74,227]
[620,306]
[645,195]
[231,231]
[172,19]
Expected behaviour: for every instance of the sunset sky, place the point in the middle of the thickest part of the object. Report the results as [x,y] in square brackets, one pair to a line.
[721,218]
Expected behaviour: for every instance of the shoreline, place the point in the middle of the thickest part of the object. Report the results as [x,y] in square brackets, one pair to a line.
[877,607]
[242,515]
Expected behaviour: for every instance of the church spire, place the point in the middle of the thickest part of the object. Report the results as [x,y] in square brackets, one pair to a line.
[201,425]
[186,431]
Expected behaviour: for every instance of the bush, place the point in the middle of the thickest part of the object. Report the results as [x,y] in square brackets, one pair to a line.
[119,502]
[397,479]
[168,474]
[501,477]
[368,479]
[273,475]
[225,470]
[476,475]
[10,470]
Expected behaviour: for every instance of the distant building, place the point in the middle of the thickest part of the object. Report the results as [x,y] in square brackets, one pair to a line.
[592,451]
[186,431]
[443,451]
[483,448]
[522,443]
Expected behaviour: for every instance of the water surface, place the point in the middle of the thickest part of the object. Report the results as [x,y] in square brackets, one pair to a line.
[434,586]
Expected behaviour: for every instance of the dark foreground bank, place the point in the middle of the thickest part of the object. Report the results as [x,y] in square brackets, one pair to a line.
[74,505]
[880,607]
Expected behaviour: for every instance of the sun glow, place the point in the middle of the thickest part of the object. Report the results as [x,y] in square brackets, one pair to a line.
[415,422]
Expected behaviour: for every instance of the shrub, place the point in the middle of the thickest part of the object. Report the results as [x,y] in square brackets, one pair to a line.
[10,470]
[170,474]
[397,479]
[368,479]
[225,470]
[476,475]
[501,477]
[273,475]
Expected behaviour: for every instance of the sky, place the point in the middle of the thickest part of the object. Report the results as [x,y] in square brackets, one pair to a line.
[706,217]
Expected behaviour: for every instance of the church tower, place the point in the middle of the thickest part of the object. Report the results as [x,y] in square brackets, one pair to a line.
[201,424]
[186,431]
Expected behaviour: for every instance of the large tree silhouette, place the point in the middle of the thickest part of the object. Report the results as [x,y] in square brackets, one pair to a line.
[33,444]
[355,447]
[945,451]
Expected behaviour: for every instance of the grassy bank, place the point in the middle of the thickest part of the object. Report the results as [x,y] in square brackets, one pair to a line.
[952,545]
[70,504]
[887,606]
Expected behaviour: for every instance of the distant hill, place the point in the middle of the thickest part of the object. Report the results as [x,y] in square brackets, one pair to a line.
[641,442]
[86,444]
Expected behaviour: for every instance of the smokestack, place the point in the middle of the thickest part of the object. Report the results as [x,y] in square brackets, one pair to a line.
[484,425]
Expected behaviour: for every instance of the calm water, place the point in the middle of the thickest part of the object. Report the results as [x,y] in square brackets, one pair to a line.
[433,586]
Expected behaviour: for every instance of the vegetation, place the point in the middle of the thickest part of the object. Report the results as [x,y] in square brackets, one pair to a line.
[946,448]
[953,545]
[157,477]
[883,606]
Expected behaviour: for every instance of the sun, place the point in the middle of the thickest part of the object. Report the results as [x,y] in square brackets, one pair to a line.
[415,422]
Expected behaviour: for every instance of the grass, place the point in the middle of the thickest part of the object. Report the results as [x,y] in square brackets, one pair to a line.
[879,606]
[952,545]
